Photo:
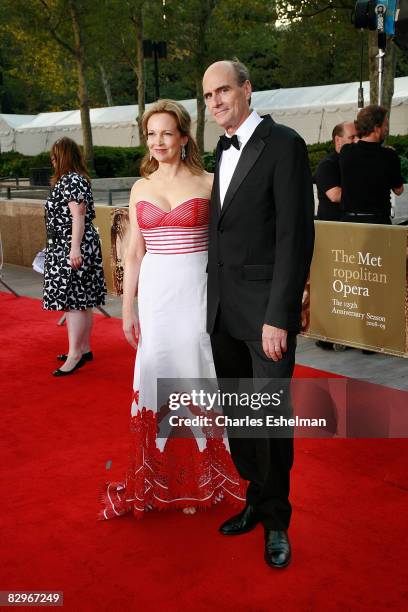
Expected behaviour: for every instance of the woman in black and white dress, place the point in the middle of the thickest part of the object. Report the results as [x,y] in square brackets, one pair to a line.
[73,273]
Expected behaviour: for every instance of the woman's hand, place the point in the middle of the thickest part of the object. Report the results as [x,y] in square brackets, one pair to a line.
[75,258]
[130,326]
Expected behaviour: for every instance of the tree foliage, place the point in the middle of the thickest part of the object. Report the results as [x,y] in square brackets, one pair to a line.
[328,47]
[37,74]
[285,44]
[318,44]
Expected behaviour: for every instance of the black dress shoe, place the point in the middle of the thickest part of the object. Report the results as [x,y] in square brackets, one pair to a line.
[87,356]
[241,523]
[327,346]
[80,363]
[277,548]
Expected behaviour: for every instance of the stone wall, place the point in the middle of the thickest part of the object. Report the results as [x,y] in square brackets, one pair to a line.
[22,230]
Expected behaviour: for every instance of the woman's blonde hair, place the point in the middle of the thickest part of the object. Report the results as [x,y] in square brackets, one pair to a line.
[68,158]
[192,159]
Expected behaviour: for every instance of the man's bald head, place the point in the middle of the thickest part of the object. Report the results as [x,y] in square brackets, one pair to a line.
[227,93]
[344,133]
[240,71]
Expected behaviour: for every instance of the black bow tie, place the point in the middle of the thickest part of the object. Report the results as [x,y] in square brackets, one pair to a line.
[227,142]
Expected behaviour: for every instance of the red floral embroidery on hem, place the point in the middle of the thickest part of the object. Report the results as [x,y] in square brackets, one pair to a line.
[178,477]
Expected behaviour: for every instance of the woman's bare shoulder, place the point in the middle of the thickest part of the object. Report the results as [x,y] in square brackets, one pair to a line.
[209,179]
[139,185]
[138,189]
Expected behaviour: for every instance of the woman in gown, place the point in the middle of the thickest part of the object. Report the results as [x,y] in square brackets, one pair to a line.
[166,268]
[73,272]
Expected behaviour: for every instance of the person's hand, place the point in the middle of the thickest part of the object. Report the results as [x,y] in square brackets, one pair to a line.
[75,258]
[130,325]
[274,341]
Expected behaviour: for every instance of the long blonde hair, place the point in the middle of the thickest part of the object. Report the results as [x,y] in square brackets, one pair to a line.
[183,120]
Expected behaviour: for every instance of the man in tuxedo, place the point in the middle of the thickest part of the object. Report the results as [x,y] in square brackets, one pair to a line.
[260,248]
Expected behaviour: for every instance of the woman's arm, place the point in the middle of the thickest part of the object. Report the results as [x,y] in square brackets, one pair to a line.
[78,226]
[133,259]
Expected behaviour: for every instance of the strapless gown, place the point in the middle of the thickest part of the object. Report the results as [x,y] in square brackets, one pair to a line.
[172,471]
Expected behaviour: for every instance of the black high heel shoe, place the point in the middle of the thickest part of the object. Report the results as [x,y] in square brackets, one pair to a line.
[87,356]
[80,363]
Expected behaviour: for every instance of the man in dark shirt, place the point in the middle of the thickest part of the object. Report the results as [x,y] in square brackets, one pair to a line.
[328,183]
[369,171]
[327,177]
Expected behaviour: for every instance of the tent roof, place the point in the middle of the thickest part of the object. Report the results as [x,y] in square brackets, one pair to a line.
[293,100]
[15,120]
[312,99]
[109,116]
[46,120]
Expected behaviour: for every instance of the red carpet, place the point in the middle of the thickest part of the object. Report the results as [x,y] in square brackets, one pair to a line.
[350,509]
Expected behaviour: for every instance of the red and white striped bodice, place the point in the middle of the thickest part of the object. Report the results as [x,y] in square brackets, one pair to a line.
[181,230]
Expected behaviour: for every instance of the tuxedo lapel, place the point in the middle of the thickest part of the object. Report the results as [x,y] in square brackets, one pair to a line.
[216,186]
[249,155]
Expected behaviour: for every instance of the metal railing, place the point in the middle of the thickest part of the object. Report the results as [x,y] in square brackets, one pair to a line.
[110,192]
[10,190]
[15,179]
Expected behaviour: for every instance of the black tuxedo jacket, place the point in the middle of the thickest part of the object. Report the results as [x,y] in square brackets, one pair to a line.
[261,241]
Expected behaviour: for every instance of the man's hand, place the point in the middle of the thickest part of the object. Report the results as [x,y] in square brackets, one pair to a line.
[274,341]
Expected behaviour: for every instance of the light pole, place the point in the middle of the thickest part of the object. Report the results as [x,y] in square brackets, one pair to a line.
[155,50]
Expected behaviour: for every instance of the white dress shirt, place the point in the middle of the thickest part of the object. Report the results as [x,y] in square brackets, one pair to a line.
[230,157]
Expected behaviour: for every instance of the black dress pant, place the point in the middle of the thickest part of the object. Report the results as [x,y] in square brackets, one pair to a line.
[265,462]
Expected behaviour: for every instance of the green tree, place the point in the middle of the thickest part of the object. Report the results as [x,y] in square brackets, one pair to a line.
[328,49]
[37,74]
[218,29]
[55,29]
[317,45]
[126,19]
[73,43]
[132,21]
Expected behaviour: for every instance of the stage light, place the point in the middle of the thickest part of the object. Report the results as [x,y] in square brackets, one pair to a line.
[388,18]
[376,15]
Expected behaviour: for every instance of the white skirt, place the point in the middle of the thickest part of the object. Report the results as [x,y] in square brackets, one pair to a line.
[174,471]
[173,341]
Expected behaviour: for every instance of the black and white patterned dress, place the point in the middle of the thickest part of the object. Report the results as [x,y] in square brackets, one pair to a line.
[64,287]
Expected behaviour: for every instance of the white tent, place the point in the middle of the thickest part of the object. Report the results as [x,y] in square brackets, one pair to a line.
[8,125]
[39,134]
[111,126]
[312,111]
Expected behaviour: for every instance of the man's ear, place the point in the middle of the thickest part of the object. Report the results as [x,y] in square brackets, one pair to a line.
[248,90]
